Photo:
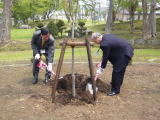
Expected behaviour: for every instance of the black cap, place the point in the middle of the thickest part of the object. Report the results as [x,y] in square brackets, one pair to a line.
[44,31]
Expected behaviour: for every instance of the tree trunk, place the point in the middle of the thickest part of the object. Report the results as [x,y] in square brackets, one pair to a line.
[132,21]
[92,17]
[73,15]
[152,20]
[67,15]
[109,18]
[113,15]
[139,15]
[6,22]
[73,29]
[144,29]
[132,9]
[115,10]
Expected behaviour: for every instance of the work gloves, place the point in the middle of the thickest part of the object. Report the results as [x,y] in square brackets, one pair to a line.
[49,67]
[37,56]
[99,71]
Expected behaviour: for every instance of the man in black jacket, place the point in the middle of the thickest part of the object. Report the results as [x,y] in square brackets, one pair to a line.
[42,43]
[119,52]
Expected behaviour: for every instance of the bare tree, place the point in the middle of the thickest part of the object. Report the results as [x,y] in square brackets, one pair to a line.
[149,25]
[73,10]
[144,29]
[152,20]
[116,8]
[90,5]
[109,18]
[132,9]
[6,22]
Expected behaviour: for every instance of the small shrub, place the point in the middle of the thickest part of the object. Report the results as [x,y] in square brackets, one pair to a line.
[82,27]
[40,25]
[53,28]
[61,26]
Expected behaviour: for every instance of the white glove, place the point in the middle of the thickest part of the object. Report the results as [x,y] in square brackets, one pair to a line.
[90,89]
[98,65]
[49,67]
[99,70]
[37,56]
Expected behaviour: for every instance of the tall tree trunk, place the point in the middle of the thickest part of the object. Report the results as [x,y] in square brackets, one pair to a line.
[132,9]
[109,18]
[73,15]
[144,29]
[152,20]
[113,14]
[5,27]
[115,10]
[92,17]
[132,21]
[139,15]
[67,15]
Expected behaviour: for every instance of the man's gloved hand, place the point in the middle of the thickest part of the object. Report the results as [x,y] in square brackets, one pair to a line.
[49,67]
[98,65]
[99,70]
[37,56]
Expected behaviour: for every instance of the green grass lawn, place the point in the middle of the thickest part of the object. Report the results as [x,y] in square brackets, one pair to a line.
[122,29]
[19,49]
[141,55]
[22,34]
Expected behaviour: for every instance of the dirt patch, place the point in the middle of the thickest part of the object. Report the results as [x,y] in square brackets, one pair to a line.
[65,89]
[139,98]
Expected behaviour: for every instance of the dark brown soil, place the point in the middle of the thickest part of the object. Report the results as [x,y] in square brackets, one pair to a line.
[139,98]
[65,89]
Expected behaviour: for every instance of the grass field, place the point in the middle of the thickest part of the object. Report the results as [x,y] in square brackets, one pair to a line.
[141,55]
[19,49]
[121,29]
[22,34]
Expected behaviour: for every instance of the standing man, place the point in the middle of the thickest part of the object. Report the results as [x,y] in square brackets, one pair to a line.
[119,52]
[42,43]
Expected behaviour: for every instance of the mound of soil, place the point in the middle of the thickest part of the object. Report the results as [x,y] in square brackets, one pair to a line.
[64,89]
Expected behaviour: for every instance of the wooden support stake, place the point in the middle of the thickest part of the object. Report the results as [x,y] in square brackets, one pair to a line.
[54,87]
[73,44]
[73,75]
[91,68]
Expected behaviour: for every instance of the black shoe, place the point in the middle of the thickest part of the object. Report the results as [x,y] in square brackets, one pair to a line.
[35,80]
[112,93]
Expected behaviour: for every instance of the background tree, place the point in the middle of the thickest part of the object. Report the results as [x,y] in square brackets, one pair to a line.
[116,8]
[6,22]
[24,9]
[144,29]
[131,6]
[152,19]
[53,28]
[90,8]
[109,18]
[61,26]
[73,10]
[149,21]
[63,4]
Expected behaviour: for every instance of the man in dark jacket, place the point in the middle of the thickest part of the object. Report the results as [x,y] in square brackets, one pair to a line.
[119,52]
[42,43]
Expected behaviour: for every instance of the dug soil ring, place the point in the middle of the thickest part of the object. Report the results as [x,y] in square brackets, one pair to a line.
[64,89]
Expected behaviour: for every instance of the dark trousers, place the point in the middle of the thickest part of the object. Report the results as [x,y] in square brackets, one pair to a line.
[117,77]
[36,69]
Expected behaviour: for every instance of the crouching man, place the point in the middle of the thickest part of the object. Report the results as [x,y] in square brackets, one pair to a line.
[42,43]
[119,52]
